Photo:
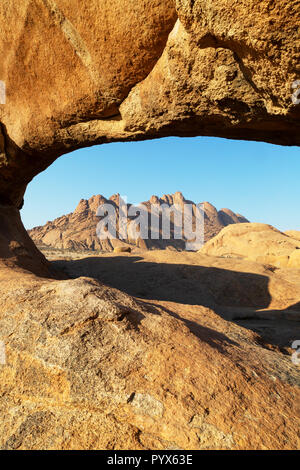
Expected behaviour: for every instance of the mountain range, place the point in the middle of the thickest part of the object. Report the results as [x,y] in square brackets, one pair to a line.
[77,230]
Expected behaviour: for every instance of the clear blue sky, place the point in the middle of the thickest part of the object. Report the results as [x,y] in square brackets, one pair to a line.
[260,181]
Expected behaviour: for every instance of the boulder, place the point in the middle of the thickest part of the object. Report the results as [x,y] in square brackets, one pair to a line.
[257,242]
[122,249]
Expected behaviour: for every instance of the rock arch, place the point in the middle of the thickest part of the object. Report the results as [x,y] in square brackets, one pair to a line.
[85,73]
[83,357]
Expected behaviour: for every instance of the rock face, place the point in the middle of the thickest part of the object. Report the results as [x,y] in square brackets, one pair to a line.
[108,72]
[178,67]
[77,231]
[293,234]
[256,242]
[88,366]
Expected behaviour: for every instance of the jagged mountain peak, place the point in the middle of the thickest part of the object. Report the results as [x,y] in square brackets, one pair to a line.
[77,231]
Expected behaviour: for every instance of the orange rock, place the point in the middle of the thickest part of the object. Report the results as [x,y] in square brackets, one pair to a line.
[88,366]
[257,242]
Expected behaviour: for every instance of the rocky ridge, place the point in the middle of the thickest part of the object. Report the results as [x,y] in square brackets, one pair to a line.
[77,231]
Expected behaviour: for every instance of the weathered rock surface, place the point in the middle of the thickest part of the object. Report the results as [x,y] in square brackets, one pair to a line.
[77,231]
[256,242]
[88,366]
[142,69]
[16,247]
[91,367]
[178,67]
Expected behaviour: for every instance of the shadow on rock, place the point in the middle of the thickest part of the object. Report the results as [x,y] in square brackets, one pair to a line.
[181,283]
[241,297]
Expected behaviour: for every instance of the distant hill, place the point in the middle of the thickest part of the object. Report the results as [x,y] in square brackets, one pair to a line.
[257,242]
[77,231]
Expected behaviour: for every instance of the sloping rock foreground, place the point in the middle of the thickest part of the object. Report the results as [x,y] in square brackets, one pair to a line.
[90,367]
[77,231]
[257,242]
